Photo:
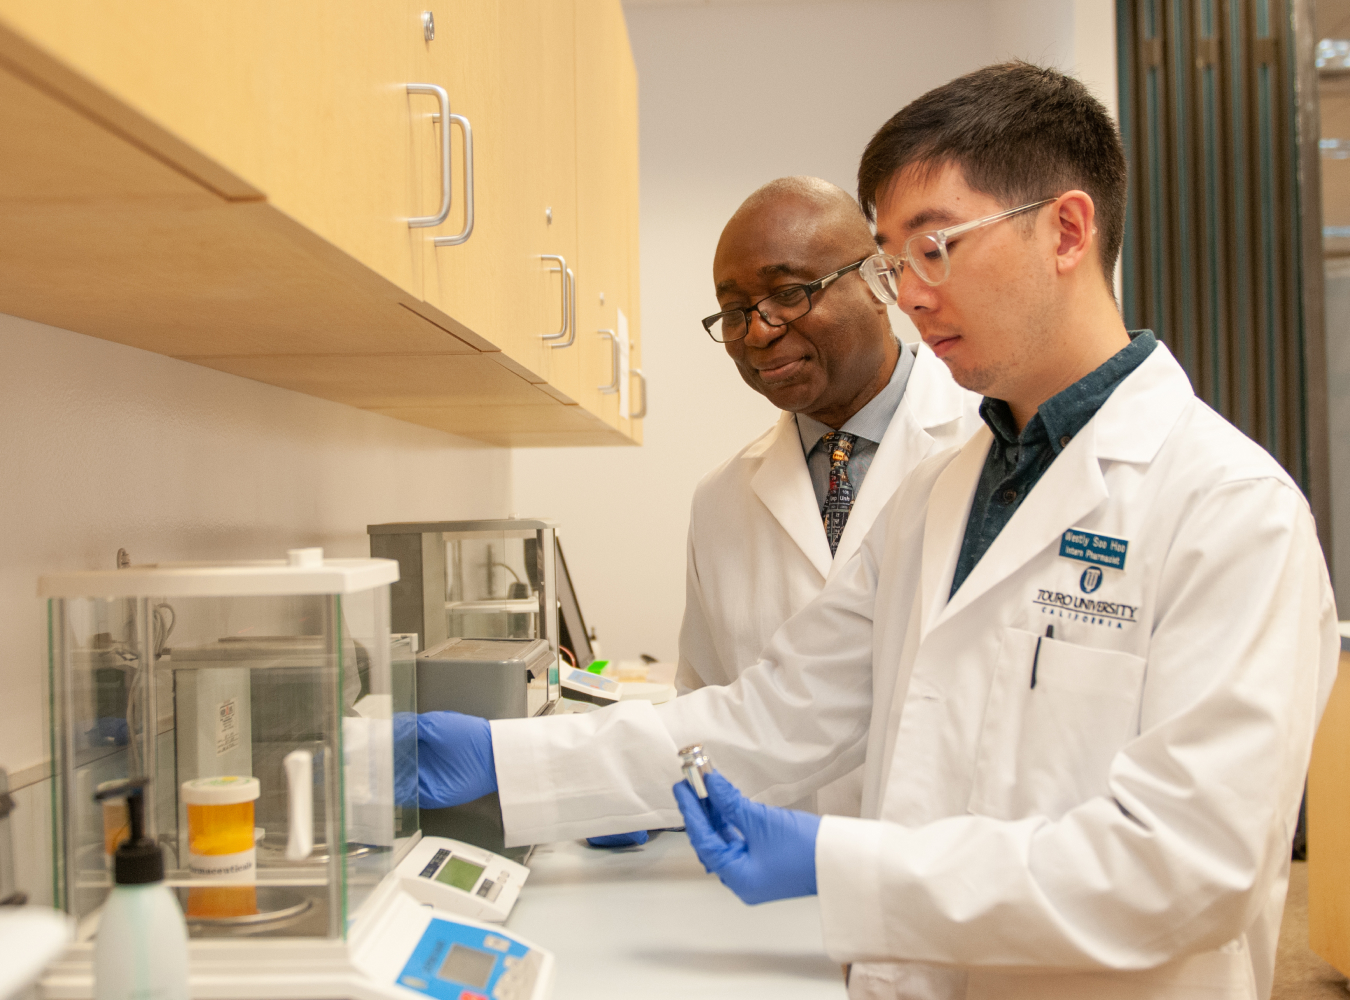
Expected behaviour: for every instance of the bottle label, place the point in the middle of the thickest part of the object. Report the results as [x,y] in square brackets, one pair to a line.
[240,867]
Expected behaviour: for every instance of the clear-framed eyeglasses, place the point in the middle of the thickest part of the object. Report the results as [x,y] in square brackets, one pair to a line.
[926,253]
[779,309]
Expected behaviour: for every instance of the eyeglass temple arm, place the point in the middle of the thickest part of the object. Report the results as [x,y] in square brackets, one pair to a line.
[966,227]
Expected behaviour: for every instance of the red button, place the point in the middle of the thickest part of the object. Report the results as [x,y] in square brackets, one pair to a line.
[469,995]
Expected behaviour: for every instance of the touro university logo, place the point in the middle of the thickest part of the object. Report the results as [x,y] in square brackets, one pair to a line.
[1091,579]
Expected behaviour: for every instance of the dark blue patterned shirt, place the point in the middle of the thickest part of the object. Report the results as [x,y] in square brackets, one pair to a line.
[1016,462]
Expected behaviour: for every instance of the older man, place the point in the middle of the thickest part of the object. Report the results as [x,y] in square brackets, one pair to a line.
[860,410]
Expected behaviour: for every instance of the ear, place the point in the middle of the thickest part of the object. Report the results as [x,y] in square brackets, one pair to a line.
[1073,216]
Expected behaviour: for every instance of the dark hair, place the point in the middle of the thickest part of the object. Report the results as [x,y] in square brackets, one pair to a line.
[1018,132]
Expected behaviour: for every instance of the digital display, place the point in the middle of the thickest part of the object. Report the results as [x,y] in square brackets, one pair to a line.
[591,680]
[467,966]
[460,873]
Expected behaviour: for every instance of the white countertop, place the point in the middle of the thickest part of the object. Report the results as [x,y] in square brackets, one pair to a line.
[648,922]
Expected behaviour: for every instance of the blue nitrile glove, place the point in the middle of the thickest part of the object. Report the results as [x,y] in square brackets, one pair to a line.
[760,852]
[454,759]
[619,839]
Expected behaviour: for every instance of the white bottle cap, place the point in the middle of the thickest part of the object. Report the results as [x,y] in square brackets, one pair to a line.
[226,790]
[308,558]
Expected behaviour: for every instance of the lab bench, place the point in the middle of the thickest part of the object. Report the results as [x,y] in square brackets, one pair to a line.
[649,922]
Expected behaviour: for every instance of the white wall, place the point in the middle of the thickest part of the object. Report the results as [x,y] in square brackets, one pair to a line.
[733,94]
[104,446]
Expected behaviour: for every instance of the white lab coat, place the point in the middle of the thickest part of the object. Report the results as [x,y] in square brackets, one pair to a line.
[757,550]
[1123,829]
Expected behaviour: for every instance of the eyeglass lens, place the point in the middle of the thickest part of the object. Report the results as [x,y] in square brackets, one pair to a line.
[777,310]
[924,252]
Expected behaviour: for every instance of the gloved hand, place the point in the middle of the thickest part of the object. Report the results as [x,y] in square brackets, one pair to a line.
[619,839]
[760,852]
[454,759]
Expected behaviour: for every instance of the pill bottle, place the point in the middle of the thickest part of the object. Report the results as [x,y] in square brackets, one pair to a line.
[220,827]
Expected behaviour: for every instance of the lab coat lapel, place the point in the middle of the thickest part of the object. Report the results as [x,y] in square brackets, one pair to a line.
[931,400]
[1070,489]
[1130,427]
[783,485]
[945,525]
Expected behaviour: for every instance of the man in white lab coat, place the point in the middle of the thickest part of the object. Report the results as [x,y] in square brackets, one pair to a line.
[1082,657]
[860,411]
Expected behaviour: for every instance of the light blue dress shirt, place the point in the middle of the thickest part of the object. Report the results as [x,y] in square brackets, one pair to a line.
[869,424]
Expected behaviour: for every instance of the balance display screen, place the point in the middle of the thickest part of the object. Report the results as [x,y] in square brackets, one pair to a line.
[460,873]
[467,966]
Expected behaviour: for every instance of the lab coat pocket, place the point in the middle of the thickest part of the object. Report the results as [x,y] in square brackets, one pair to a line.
[1045,749]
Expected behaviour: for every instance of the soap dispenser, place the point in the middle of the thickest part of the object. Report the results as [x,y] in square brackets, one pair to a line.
[141,948]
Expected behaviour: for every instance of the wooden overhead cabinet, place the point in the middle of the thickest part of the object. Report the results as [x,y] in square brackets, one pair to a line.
[233,184]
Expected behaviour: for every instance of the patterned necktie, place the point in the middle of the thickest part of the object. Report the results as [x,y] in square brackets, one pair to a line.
[839,497]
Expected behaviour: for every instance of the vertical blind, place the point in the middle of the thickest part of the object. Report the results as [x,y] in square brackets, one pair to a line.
[1215,113]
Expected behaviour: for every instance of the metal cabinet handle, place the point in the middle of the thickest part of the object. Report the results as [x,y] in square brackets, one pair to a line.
[563,271]
[572,311]
[613,385]
[425,221]
[643,379]
[463,235]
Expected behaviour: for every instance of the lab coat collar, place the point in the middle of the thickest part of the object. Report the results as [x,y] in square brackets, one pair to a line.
[931,400]
[783,485]
[1130,427]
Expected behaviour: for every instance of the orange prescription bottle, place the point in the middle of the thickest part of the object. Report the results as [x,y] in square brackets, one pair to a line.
[220,827]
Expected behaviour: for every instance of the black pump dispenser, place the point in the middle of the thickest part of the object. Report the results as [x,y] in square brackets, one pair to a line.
[137,860]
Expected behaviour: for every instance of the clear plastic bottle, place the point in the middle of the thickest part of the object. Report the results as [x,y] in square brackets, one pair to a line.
[141,949]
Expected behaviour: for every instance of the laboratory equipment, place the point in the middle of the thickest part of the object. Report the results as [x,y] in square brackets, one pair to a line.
[490,678]
[461,878]
[472,579]
[272,683]
[141,949]
[696,764]
[582,685]
[415,950]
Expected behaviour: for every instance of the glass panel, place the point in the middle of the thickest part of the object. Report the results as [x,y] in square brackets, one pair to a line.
[240,691]
[403,677]
[492,585]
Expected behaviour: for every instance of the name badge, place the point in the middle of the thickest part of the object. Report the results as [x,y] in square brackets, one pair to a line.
[1090,547]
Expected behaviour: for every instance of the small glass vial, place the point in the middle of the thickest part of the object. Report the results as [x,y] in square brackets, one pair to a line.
[220,827]
[695,764]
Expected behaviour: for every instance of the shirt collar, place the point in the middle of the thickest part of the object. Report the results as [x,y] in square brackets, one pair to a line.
[869,423]
[1067,412]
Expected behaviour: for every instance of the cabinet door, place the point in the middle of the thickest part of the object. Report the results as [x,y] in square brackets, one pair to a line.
[303,100]
[606,154]
[508,66]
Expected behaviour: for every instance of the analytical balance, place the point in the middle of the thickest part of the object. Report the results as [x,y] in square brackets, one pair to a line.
[274,720]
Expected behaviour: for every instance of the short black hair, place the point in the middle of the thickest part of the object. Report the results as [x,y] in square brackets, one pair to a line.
[1019,133]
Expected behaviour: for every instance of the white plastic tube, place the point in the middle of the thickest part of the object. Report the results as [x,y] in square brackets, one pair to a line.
[300,798]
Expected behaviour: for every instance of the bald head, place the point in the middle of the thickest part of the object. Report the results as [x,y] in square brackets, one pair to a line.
[817,215]
[831,361]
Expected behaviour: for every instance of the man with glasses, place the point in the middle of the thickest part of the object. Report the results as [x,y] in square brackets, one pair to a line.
[860,411]
[1082,657]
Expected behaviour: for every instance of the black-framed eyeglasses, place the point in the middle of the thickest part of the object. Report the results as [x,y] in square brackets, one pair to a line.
[779,309]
